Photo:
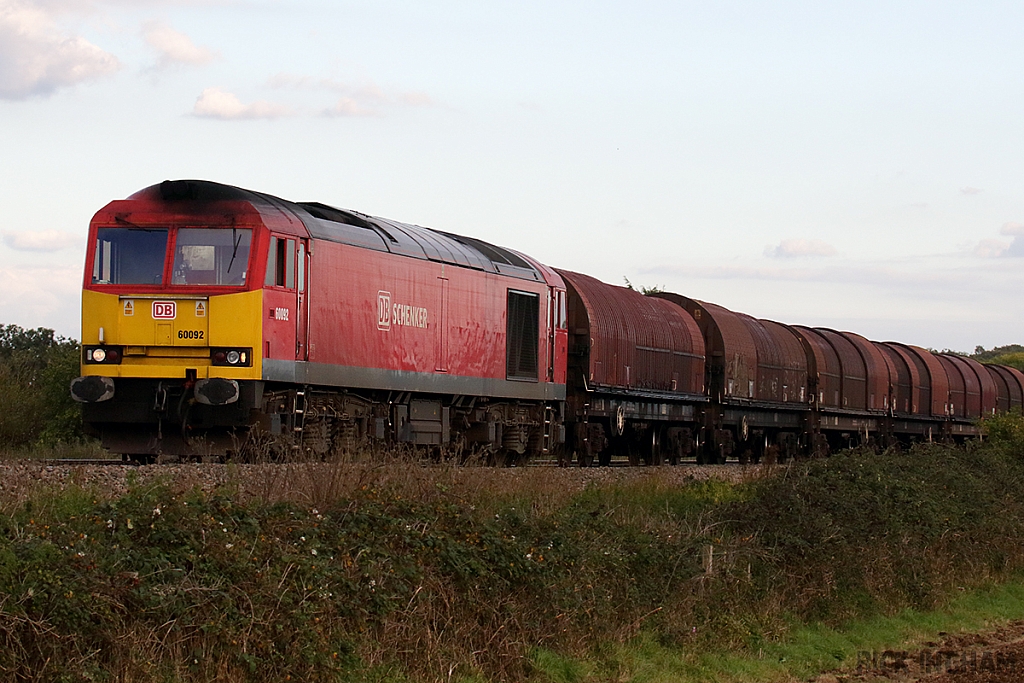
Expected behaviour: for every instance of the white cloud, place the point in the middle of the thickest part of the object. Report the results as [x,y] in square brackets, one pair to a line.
[285,80]
[49,297]
[971,190]
[799,249]
[217,103]
[37,57]
[928,283]
[174,47]
[995,248]
[417,99]
[368,99]
[47,240]
[348,106]
[991,248]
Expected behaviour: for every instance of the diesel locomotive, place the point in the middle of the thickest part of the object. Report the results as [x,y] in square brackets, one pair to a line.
[215,317]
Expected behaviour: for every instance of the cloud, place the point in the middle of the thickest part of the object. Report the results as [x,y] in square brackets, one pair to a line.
[34,296]
[174,47]
[971,190]
[37,58]
[890,277]
[991,248]
[416,99]
[800,249]
[348,106]
[47,240]
[995,248]
[217,103]
[368,99]
[285,80]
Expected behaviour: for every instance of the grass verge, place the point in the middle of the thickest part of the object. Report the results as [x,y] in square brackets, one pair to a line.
[807,650]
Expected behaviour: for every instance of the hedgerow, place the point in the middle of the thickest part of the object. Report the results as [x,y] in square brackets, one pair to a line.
[483,583]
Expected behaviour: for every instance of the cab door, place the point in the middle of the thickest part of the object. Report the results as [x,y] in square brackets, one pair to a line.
[284,294]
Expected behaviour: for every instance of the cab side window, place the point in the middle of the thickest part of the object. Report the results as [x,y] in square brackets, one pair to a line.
[281,263]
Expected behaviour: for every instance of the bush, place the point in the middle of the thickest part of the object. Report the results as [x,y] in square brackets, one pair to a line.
[36,369]
[1005,433]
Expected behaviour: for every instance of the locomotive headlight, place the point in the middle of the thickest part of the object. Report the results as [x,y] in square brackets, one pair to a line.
[236,357]
[108,355]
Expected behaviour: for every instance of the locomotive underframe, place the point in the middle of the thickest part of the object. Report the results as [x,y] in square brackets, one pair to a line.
[149,419]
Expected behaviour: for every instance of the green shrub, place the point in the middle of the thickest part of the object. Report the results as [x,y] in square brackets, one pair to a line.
[36,369]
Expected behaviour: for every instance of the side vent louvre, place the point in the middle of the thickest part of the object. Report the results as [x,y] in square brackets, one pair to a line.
[521,339]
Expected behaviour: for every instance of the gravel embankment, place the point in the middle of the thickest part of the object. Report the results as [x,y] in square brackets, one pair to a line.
[19,478]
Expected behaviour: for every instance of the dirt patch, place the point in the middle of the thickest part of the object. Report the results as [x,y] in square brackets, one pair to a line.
[992,657]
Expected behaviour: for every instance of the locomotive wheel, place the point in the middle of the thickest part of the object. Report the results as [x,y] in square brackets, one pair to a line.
[504,457]
[563,456]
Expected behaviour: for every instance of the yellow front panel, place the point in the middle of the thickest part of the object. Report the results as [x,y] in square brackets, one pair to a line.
[159,345]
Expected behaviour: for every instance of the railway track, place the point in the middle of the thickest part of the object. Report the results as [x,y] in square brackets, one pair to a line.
[537,462]
[86,461]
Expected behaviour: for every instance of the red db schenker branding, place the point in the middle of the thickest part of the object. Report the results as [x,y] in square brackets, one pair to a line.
[164,310]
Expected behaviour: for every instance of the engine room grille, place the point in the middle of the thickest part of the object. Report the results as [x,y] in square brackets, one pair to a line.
[521,339]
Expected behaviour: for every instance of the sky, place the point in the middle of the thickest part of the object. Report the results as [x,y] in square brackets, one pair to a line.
[849,165]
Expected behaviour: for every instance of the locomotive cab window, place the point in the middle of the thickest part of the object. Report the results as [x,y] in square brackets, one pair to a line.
[281,263]
[129,256]
[522,335]
[211,256]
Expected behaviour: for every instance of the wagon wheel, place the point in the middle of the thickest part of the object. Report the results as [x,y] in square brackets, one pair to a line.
[655,456]
[619,422]
[633,452]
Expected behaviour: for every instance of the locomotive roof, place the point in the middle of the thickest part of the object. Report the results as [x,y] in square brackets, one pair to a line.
[358,229]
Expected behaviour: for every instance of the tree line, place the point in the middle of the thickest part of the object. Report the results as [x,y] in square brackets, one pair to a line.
[1011,354]
[36,369]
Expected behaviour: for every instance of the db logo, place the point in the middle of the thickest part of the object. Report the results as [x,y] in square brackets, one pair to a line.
[383,310]
[164,310]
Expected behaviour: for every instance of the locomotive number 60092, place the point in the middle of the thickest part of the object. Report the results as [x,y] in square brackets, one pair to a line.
[190,334]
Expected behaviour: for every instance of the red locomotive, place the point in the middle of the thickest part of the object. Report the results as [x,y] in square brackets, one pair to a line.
[211,314]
